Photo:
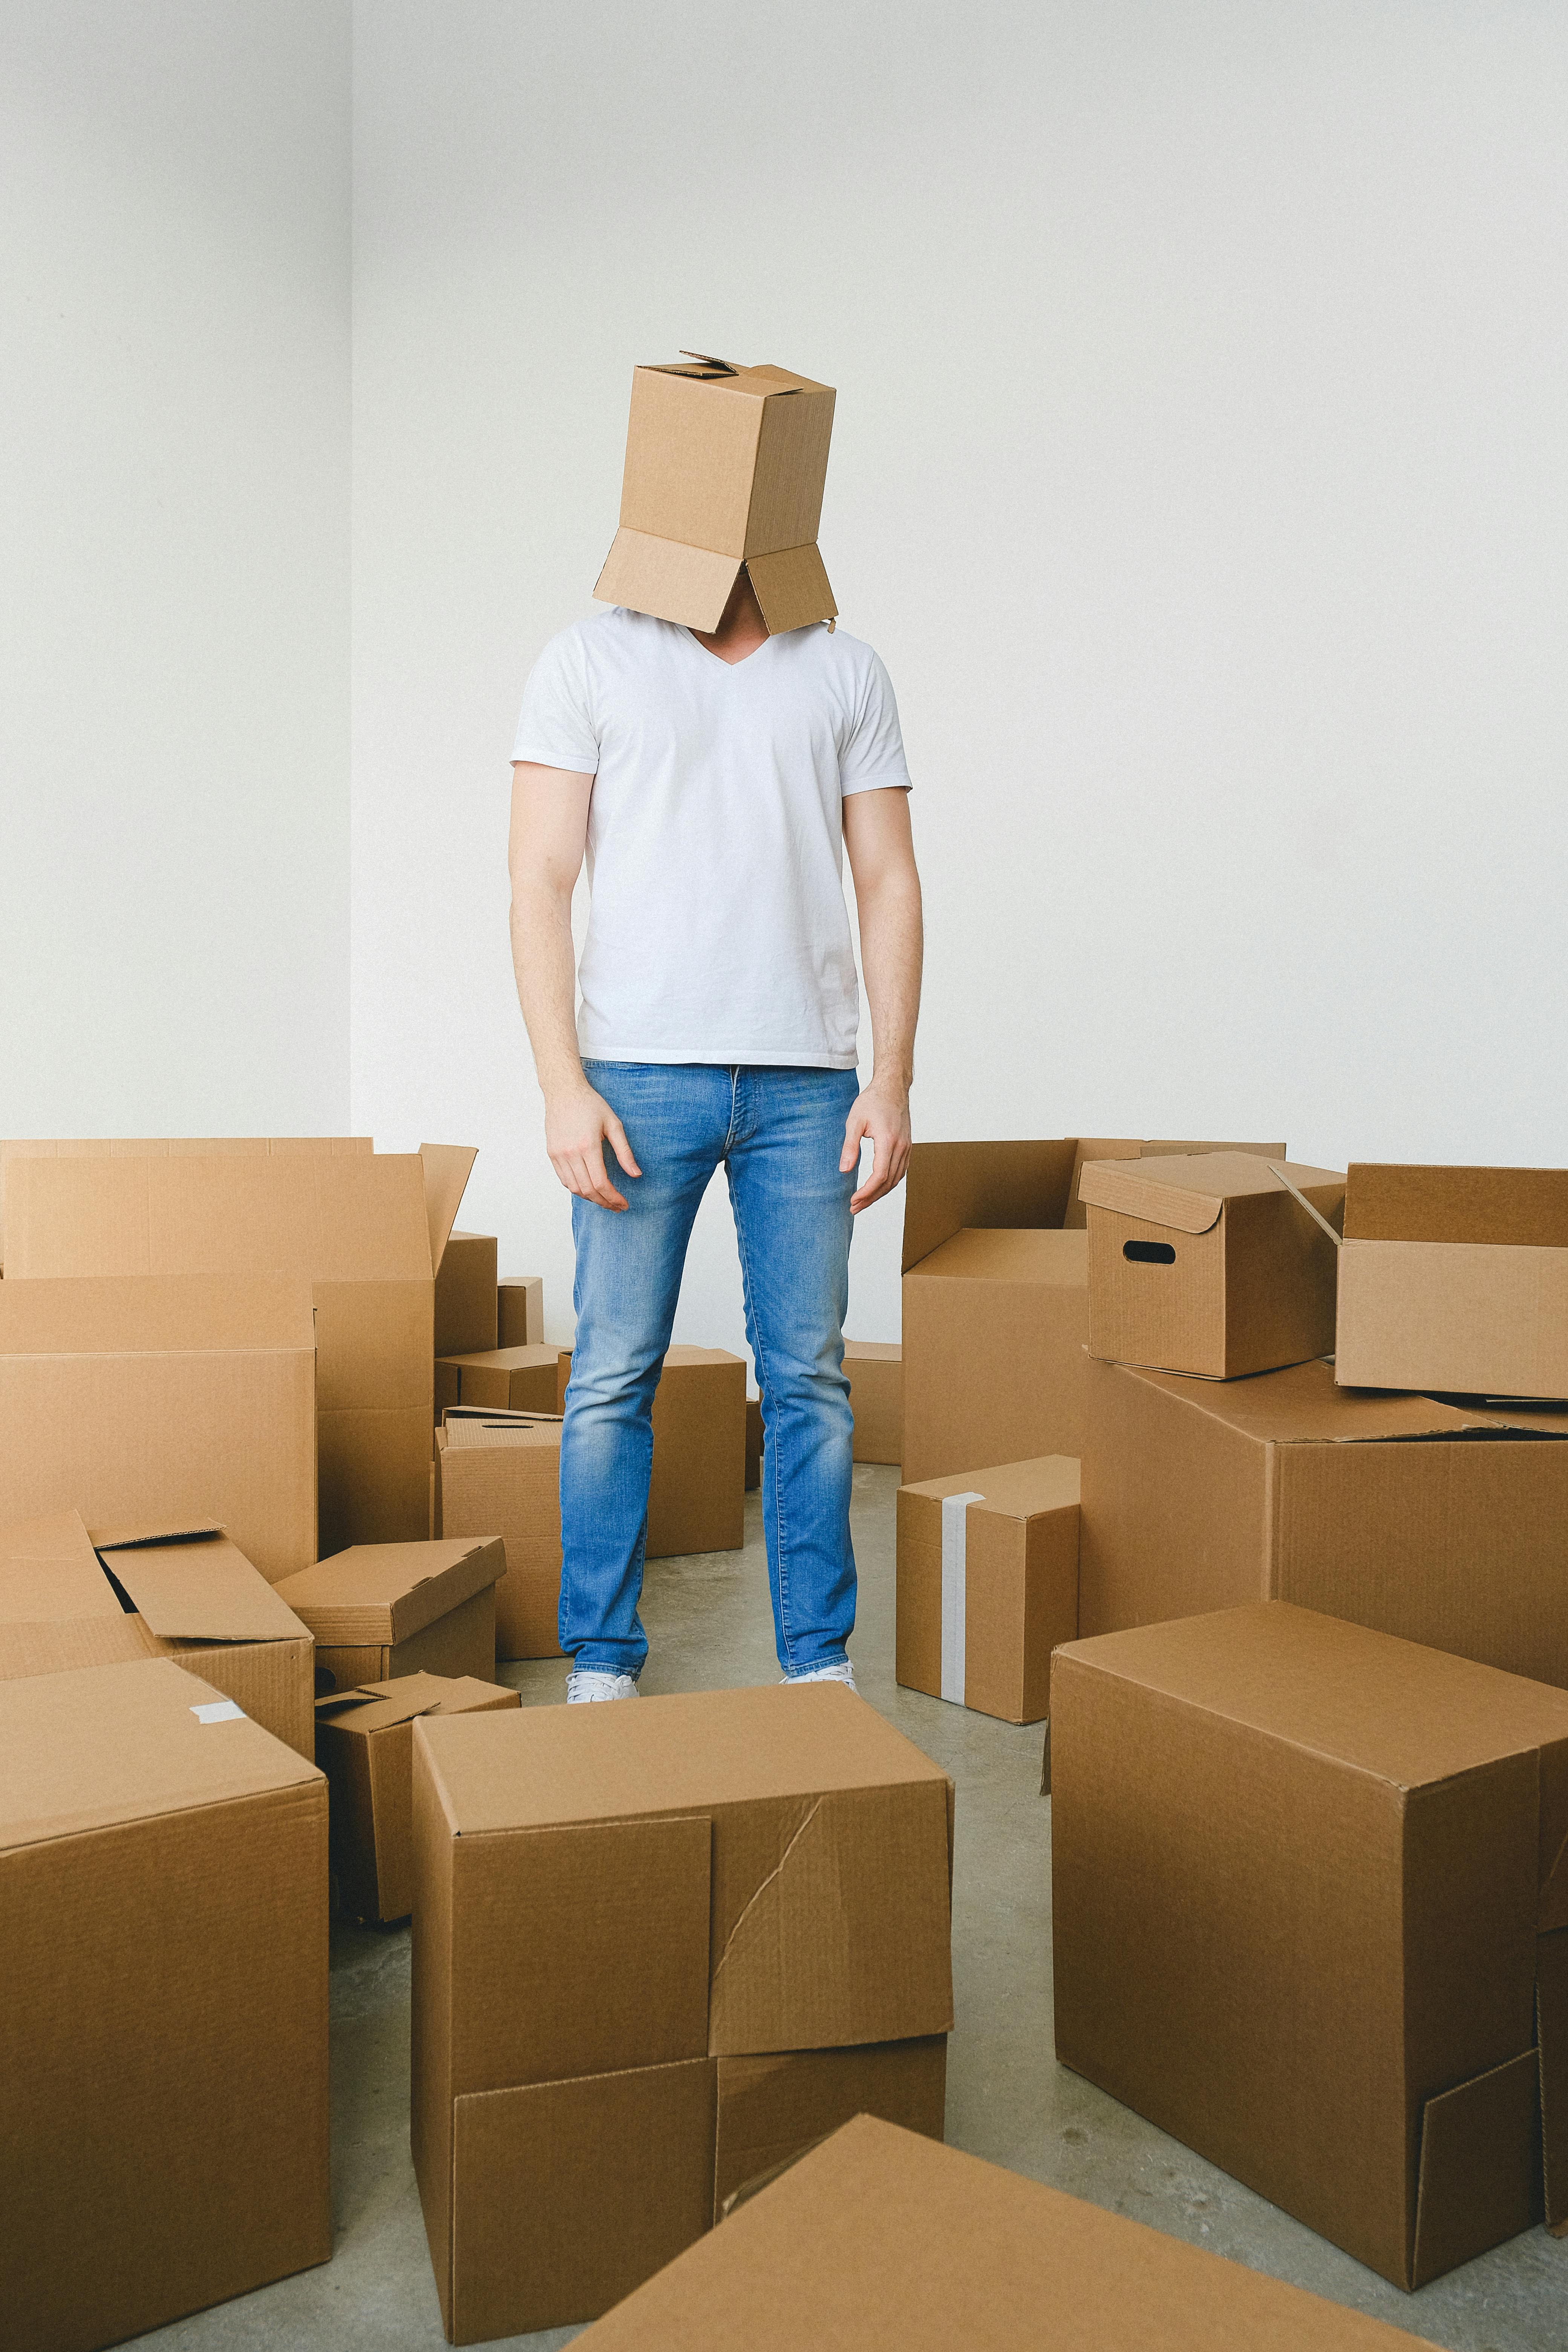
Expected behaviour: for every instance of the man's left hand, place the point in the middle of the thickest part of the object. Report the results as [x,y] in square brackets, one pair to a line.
[880,1117]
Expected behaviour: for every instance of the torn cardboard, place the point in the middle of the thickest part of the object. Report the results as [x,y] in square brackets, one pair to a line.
[987,1585]
[875,1370]
[380,1610]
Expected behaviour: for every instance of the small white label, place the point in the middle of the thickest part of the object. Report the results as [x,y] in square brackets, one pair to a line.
[219,1710]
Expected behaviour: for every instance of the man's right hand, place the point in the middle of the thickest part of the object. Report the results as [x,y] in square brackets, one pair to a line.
[578,1123]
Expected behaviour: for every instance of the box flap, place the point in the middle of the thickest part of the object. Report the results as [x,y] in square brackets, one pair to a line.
[377,1593]
[153,1315]
[791,589]
[448,1167]
[201,1588]
[688,586]
[951,1186]
[126,1536]
[1476,2185]
[49,1573]
[1527,1207]
[378,1707]
[1187,1191]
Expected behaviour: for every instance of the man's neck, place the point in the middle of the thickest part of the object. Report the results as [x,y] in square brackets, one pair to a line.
[741,628]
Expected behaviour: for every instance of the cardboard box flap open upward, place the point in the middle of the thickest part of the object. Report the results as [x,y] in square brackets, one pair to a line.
[197,1587]
[447,1168]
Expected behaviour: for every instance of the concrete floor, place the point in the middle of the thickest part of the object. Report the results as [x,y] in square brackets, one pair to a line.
[1007,2099]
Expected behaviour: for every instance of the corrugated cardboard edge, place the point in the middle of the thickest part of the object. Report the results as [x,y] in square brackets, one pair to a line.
[1126,1187]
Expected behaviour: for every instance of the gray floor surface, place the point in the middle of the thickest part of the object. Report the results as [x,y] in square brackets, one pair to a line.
[1007,2098]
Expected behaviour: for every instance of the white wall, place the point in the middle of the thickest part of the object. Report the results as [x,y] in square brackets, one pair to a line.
[174,510]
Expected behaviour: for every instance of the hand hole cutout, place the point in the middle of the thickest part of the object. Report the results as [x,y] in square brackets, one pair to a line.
[1149,1252]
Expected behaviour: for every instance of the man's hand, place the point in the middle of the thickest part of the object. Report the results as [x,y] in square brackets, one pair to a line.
[577,1125]
[881,1116]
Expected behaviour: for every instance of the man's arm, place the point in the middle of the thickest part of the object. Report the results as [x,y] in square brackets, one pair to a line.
[549,830]
[881,854]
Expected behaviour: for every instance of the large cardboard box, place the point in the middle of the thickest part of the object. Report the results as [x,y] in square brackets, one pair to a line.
[468,1296]
[136,1402]
[725,466]
[164,2030]
[610,1905]
[874,1370]
[366,1229]
[995,1318]
[382,1610]
[1309,1903]
[917,2248]
[166,1147]
[502,1379]
[1423,1519]
[1207,1262]
[520,1310]
[1455,1279]
[987,1585]
[502,1477]
[697,1492]
[364,1745]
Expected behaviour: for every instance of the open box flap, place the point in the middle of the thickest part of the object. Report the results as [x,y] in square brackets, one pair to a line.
[448,1167]
[203,1589]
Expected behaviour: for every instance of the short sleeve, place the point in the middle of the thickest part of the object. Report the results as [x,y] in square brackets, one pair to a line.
[555,726]
[873,756]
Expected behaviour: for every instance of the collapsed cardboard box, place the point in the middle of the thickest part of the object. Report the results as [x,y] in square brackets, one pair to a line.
[499,1475]
[725,466]
[987,1585]
[167,1146]
[996,1265]
[917,2248]
[520,1313]
[1421,1519]
[697,1492]
[383,1609]
[164,2031]
[1309,1903]
[136,1401]
[365,1744]
[468,1296]
[619,1911]
[1208,1262]
[1455,1279]
[502,1379]
[874,1370]
[367,1232]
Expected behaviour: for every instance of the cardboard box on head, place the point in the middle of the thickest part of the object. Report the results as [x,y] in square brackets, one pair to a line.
[725,466]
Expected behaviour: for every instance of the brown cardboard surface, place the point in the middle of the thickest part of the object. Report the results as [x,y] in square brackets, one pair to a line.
[1520,1208]
[365,1744]
[918,2248]
[696,1491]
[874,1370]
[504,1478]
[754,1442]
[467,1296]
[167,2146]
[1204,1263]
[375,1594]
[772,2109]
[519,1311]
[1020,1584]
[502,1379]
[148,1401]
[1297,1881]
[167,1146]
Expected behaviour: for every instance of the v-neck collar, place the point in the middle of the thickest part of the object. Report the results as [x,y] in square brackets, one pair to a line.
[718,660]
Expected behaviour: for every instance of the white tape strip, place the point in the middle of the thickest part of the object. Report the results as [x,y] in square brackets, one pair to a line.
[954,1589]
[219,1710]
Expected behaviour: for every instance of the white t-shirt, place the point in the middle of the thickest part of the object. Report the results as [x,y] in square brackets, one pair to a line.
[717,930]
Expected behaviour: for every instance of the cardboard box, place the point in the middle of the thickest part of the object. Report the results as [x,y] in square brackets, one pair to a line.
[365,1744]
[697,1494]
[1455,1279]
[163,2032]
[168,1147]
[769,1875]
[502,1379]
[520,1311]
[725,465]
[917,2248]
[753,1444]
[1204,1263]
[468,1296]
[503,1477]
[366,1229]
[875,1369]
[768,2109]
[137,1401]
[1309,1898]
[996,1316]
[383,1609]
[1421,1519]
[987,1585]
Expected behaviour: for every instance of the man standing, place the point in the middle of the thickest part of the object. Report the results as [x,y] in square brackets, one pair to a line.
[714,780]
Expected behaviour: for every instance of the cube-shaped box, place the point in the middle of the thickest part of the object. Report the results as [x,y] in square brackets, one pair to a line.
[697,1494]
[500,1379]
[987,1584]
[612,1904]
[164,2031]
[1441,1525]
[364,1745]
[1309,1903]
[502,1477]
[875,1370]
[383,1610]
[468,1296]
[725,465]
[1209,1263]
[520,1310]
[1455,1279]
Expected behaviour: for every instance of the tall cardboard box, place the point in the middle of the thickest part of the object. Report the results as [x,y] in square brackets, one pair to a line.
[697,1492]
[1455,1279]
[520,1319]
[364,1745]
[918,2248]
[502,1478]
[137,1400]
[467,1296]
[995,1318]
[1439,1525]
[500,1379]
[617,1912]
[1207,1262]
[168,1147]
[1309,1903]
[164,2031]
[987,1585]
[875,1370]
[382,1610]
[367,1232]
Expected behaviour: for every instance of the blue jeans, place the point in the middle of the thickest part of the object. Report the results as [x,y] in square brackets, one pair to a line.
[779,1134]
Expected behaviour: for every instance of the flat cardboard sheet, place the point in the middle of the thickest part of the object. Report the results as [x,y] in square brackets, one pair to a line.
[198,1587]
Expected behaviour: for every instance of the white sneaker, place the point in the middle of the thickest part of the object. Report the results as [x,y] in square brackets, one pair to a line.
[584,1683]
[844,1674]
